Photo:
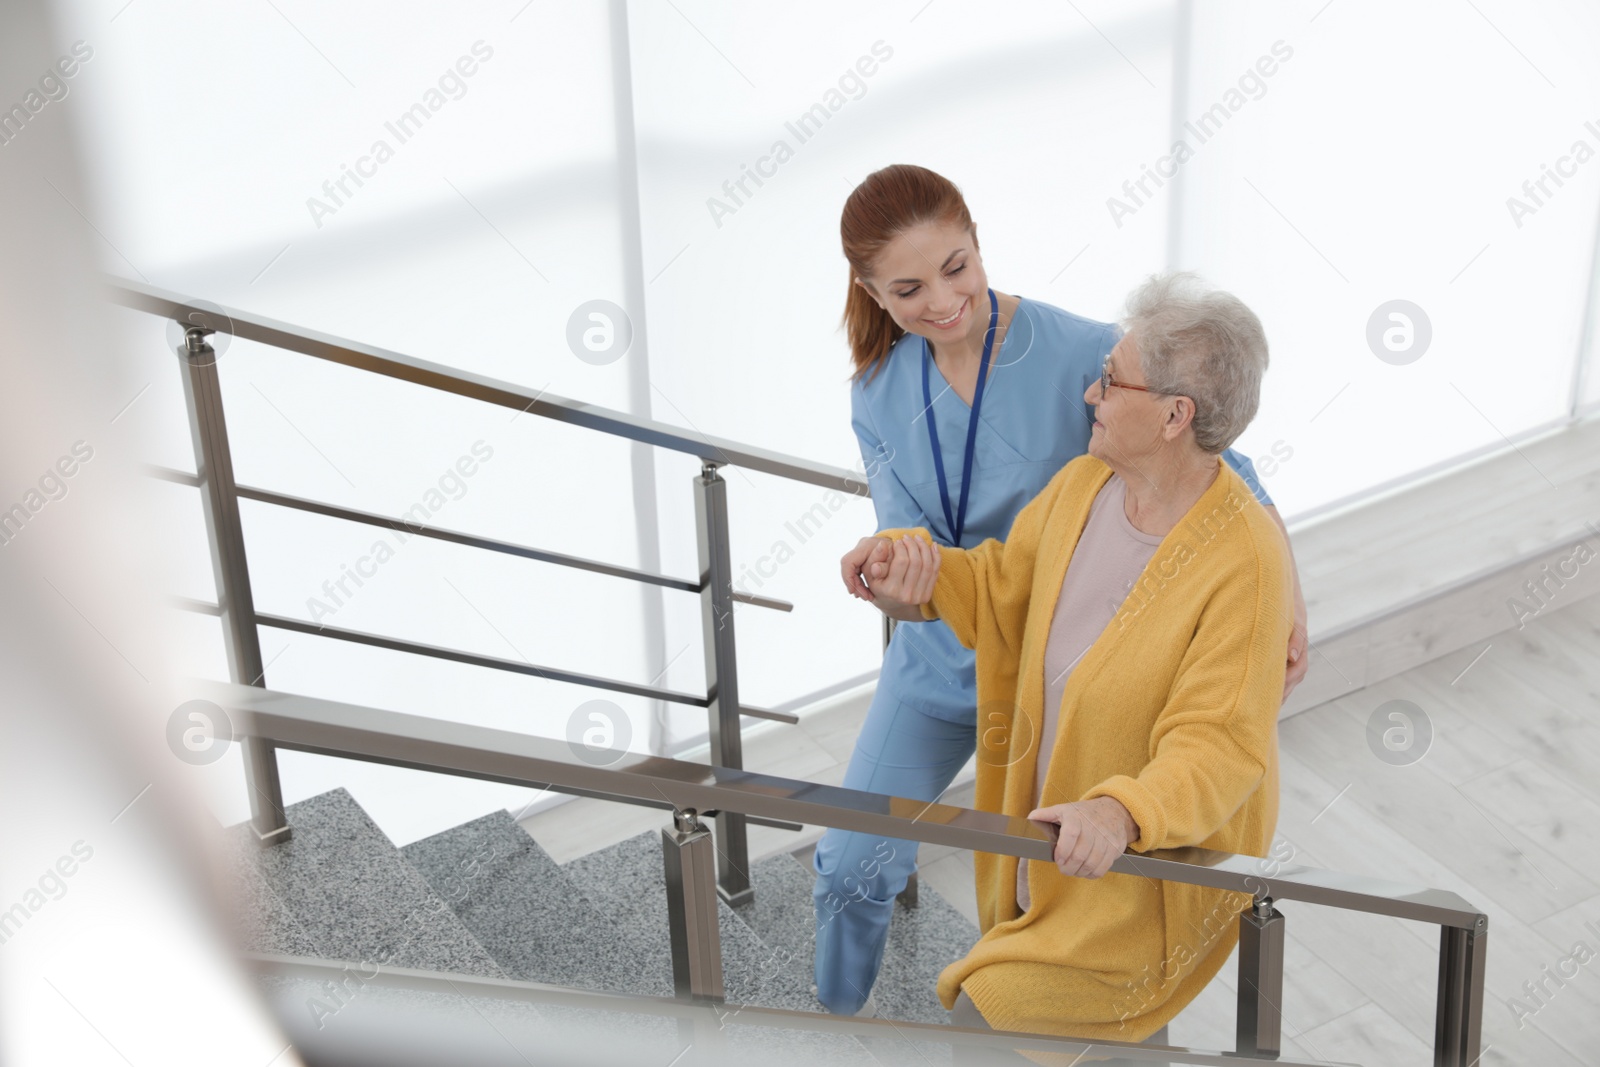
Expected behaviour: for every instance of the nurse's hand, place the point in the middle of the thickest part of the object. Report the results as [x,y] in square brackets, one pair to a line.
[913,570]
[858,566]
[1299,643]
[1093,833]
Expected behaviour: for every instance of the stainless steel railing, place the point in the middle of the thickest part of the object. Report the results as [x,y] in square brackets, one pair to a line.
[267,720]
[221,494]
[197,314]
[694,790]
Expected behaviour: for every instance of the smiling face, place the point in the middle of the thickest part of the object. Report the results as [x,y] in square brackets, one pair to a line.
[930,280]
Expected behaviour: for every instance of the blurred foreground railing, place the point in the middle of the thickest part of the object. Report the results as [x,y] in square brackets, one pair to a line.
[694,790]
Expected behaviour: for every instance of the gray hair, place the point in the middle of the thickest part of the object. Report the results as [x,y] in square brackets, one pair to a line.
[1204,344]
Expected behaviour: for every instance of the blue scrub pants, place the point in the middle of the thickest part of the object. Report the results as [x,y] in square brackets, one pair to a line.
[904,752]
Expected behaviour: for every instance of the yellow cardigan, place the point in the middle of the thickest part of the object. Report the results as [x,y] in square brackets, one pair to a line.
[1173,711]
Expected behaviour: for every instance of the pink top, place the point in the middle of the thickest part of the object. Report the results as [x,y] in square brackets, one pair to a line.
[1109,558]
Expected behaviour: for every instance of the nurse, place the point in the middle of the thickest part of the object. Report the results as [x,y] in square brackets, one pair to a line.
[966,401]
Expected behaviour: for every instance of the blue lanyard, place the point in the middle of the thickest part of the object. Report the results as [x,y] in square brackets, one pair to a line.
[957,523]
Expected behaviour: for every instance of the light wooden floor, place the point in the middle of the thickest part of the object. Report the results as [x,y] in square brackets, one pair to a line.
[1426,571]
[1431,535]
[1504,809]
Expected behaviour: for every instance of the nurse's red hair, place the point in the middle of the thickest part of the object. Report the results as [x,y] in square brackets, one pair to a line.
[886,204]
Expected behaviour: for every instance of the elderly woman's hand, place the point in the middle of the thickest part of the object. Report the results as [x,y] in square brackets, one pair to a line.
[1093,834]
[905,580]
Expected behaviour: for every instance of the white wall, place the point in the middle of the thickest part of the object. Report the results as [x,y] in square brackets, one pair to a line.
[1374,163]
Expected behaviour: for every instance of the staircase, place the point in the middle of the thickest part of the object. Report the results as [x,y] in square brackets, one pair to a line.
[484,899]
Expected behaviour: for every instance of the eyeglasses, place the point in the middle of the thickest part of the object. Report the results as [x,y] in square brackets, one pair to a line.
[1107,382]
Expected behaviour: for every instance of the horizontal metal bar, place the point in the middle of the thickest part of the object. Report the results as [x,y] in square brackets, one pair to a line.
[170,474]
[199,607]
[315,725]
[768,713]
[519,667]
[439,533]
[590,794]
[253,327]
[428,1036]
[1292,881]
[763,601]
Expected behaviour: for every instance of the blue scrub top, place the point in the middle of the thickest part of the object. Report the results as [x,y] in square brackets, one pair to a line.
[1033,421]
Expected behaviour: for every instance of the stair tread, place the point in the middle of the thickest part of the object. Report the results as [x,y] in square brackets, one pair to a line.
[339,889]
[484,898]
[627,880]
[922,941]
[262,922]
[527,911]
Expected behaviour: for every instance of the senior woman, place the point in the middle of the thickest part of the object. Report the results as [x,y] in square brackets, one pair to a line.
[1129,635]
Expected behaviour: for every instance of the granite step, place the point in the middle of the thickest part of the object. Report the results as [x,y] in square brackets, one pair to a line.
[782,915]
[922,940]
[627,882]
[484,898]
[261,921]
[531,915]
[340,890]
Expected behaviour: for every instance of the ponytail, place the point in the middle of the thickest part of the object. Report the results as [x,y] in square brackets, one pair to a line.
[871,329]
[886,204]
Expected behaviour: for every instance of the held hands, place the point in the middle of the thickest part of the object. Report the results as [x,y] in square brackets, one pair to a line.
[855,564]
[896,576]
[1093,834]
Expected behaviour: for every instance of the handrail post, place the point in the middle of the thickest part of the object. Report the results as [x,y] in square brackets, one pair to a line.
[202,392]
[722,678]
[1458,1022]
[1259,1028]
[908,895]
[686,853]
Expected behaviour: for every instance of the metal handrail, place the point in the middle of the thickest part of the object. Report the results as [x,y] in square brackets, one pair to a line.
[334,728]
[220,494]
[326,727]
[254,327]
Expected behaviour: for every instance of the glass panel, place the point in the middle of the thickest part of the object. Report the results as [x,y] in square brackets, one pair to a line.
[752,133]
[1383,161]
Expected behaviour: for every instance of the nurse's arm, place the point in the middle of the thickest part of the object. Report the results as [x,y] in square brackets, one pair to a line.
[985,589]
[893,503]
[1299,637]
